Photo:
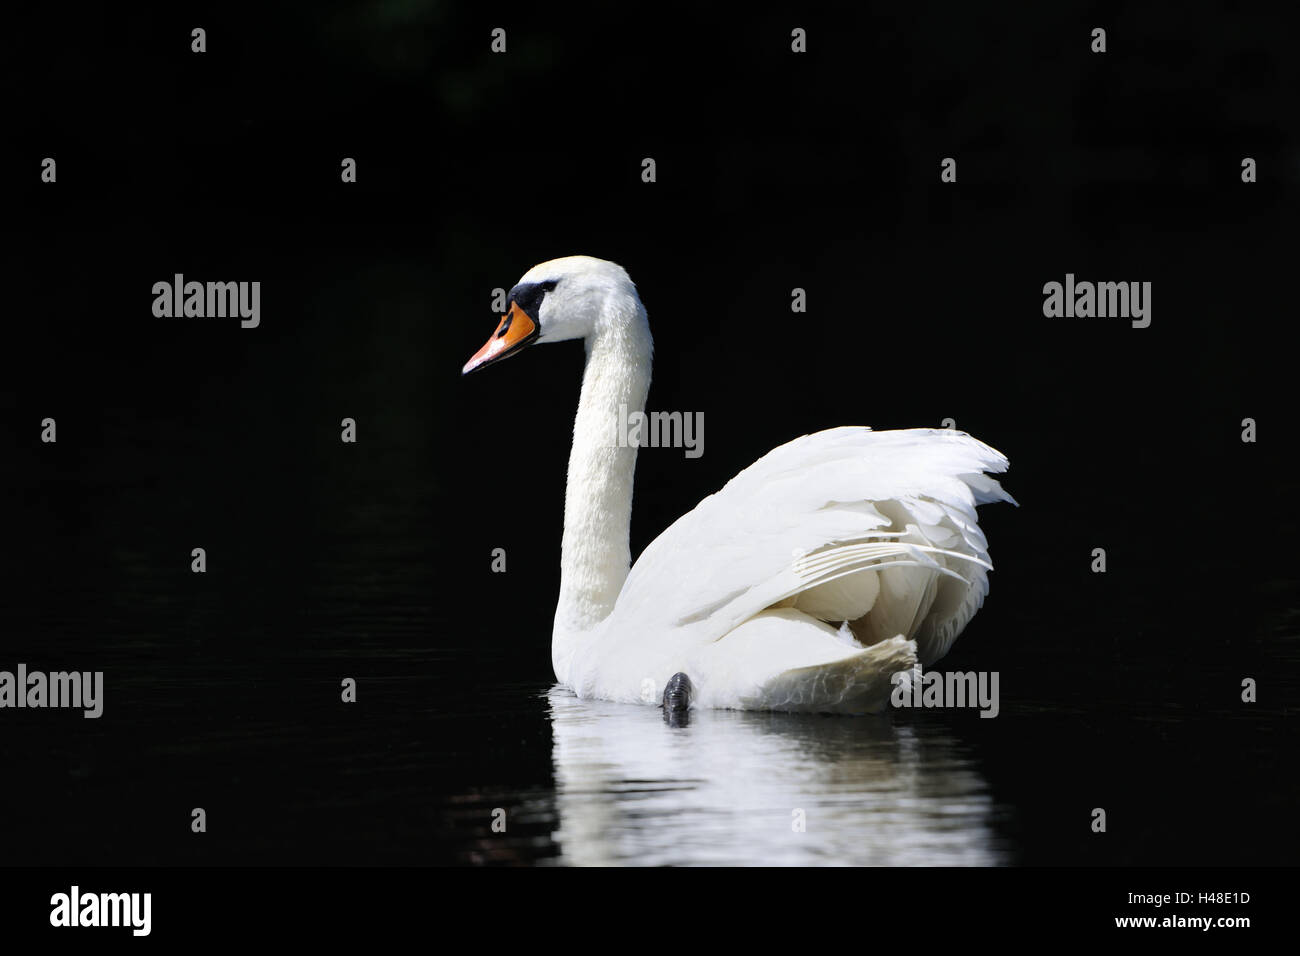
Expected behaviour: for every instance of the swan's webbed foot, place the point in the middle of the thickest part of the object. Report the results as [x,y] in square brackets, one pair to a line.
[677,697]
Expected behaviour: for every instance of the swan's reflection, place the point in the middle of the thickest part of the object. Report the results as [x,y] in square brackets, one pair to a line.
[724,789]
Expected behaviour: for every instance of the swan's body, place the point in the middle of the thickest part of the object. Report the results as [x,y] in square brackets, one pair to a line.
[813,576]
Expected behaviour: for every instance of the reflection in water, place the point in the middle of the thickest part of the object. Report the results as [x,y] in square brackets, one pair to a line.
[722,790]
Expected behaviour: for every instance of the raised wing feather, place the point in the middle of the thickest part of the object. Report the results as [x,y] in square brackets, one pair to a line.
[821,509]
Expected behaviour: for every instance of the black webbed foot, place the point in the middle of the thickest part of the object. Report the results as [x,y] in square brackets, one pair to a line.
[677,699]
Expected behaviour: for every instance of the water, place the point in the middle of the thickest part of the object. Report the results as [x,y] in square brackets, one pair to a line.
[774,789]
[443,739]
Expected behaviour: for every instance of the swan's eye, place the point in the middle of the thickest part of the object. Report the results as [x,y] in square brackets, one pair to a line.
[528,296]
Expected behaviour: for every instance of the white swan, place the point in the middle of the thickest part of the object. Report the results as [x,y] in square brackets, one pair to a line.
[828,565]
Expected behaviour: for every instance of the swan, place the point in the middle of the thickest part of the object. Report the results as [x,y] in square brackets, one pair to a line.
[812,577]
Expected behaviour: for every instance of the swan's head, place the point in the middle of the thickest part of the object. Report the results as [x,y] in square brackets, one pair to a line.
[569,298]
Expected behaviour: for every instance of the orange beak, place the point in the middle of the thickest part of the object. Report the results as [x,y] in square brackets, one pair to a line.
[515,331]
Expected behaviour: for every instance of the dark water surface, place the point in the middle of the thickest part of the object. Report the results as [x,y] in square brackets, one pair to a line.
[223,693]
[439,740]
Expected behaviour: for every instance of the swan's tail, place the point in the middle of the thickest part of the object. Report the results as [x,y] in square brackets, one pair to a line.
[858,684]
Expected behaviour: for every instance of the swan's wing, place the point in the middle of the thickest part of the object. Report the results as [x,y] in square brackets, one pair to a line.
[831,523]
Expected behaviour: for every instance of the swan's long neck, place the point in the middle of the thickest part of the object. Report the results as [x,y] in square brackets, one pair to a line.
[595,555]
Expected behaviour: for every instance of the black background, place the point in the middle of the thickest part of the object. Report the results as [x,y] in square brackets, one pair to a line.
[775,170]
